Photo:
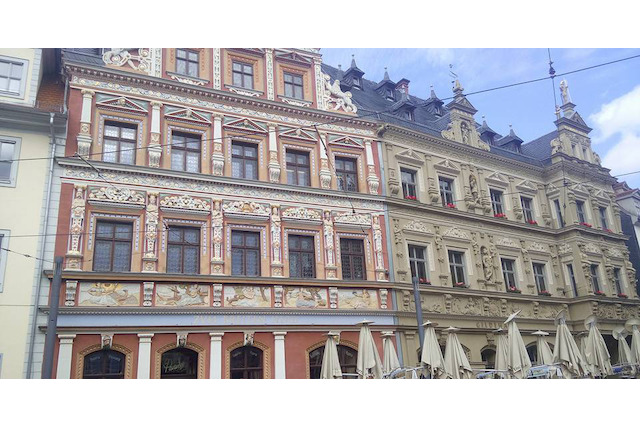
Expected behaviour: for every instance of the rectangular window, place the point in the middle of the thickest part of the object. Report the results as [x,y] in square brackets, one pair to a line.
[456,265]
[11,76]
[242,75]
[8,151]
[527,208]
[187,62]
[580,210]
[120,143]
[496,202]
[185,152]
[346,174]
[293,86]
[538,275]
[572,278]
[298,168]
[594,278]
[603,218]
[418,263]
[617,281]
[352,257]
[556,203]
[446,191]
[112,246]
[244,160]
[183,250]
[408,178]
[509,273]
[245,253]
[302,260]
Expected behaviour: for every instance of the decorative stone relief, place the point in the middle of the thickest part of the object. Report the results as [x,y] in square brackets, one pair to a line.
[335,98]
[277,296]
[506,242]
[185,202]
[333,297]
[456,233]
[564,249]
[319,78]
[372,180]
[73,256]
[217,295]
[350,218]
[487,264]
[217,74]
[276,242]
[538,247]
[270,80]
[302,213]
[246,208]
[106,341]
[71,288]
[378,250]
[329,239]
[383,298]
[181,339]
[150,256]
[591,248]
[217,263]
[418,227]
[139,61]
[116,195]
[147,296]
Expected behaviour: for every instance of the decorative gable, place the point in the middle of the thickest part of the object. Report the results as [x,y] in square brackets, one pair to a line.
[410,156]
[581,189]
[498,179]
[527,186]
[245,124]
[552,190]
[297,133]
[447,166]
[122,103]
[187,115]
[346,141]
[456,234]
[417,227]
[293,57]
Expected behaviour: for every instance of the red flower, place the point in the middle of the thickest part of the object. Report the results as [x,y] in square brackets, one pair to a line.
[586,224]
[608,230]
[411,197]
[451,205]
[424,281]
[547,293]
[460,285]
[599,293]
[623,296]
[500,215]
[514,289]
[533,222]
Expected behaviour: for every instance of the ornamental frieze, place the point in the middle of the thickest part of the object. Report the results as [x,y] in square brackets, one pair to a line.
[539,247]
[302,213]
[246,208]
[417,227]
[116,195]
[185,202]
[456,233]
[507,243]
[350,218]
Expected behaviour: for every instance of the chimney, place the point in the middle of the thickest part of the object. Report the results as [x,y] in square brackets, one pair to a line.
[403,86]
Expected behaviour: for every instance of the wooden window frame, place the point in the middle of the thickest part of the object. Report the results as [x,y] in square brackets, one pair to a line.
[182,244]
[447,195]
[119,140]
[293,85]
[350,257]
[105,360]
[409,189]
[572,278]
[113,240]
[244,77]
[244,159]
[603,218]
[496,205]
[191,353]
[346,368]
[344,173]
[296,167]
[184,149]
[527,208]
[582,217]
[539,277]
[595,280]
[617,281]
[556,203]
[188,62]
[417,263]
[509,273]
[301,252]
[454,266]
[244,248]
[245,369]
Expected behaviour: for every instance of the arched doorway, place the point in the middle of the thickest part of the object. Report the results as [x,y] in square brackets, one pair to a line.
[347,356]
[104,364]
[532,351]
[488,356]
[246,363]
[179,363]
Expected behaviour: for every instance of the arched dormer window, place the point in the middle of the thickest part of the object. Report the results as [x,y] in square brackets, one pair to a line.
[179,363]
[246,363]
[104,364]
[347,356]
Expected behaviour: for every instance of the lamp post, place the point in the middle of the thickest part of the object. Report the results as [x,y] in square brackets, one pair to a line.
[416,298]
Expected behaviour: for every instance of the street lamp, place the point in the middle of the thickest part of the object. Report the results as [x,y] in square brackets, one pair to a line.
[416,298]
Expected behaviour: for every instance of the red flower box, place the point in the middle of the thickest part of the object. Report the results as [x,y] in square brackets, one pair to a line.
[411,197]
[608,230]
[424,281]
[623,296]
[600,293]
[545,293]
[459,285]
[451,205]
[514,290]
[533,222]
[500,215]
[586,224]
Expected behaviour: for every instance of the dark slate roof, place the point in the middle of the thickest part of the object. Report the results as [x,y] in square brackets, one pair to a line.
[87,56]
[540,148]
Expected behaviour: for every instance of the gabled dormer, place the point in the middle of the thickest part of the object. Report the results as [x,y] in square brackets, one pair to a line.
[462,126]
[434,105]
[511,142]
[352,78]
[405,107]
[386,87]
[487,134]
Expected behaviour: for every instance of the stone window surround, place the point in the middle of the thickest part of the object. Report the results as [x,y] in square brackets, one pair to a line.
[516,268]
[23,79]
[13,173]
[430,258]
[418,178]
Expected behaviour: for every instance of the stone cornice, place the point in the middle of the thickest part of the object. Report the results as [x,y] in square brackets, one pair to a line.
[156,83]
[155,311]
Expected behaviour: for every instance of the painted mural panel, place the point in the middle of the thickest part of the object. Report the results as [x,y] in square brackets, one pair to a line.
[363,299]
[247,296]
[109,294]
[298,297]
[182,295]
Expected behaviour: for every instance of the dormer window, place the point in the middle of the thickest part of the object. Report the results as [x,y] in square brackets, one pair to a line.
[389,94]
[407,115]
[356,82]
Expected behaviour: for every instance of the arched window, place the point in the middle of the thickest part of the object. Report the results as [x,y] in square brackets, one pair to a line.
[181,363]
[104,364]
[532,350]
[347,356]
[489,358]
[246,363]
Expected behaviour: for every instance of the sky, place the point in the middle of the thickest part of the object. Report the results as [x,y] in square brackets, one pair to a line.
[607,97]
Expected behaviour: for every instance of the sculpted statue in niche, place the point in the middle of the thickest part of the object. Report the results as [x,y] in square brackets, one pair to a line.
[473,184]
[464,131]
[487,263]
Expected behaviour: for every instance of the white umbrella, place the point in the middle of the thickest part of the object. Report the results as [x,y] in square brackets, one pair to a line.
[565,350]
[455,361]
[501,350]
[518,361]
[596,353]
[624,352]
[368,363]
[632,326]
[330,362]
[544,354]
[431,353]
[391,361]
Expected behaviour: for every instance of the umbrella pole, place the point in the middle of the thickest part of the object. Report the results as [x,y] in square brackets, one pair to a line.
[416,298]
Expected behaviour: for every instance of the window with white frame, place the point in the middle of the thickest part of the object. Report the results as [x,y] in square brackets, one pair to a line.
[603,218]
[13,75]
[9,152]
[409,188]
[538,275]
[509,273]
[456,266]
[4,246]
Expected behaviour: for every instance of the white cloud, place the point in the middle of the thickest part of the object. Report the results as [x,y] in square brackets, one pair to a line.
[622,115]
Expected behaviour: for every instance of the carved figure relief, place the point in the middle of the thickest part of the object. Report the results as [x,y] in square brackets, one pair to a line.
[487,264]
[335,98]
[182,295]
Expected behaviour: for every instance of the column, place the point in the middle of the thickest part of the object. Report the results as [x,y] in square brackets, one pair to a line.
[84,137]
[372,178]
[73,256]
[217,158]
[144,356]
[215,356]
[274,166]
[155,149]
[279,355]
[65,351]
[325,173]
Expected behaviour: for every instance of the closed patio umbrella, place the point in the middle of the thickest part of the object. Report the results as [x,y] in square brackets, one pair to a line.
[596,354]
[390,360]
[330,362]
[565,350]
[518,362]
[544,354]
[501,350]
[369,364]
[624,352]
[431,353]
[455,361]
[632,326]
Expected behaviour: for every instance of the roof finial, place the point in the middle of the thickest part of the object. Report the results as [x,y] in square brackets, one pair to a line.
[484,122]
[511,132]
[353,61]
[386,74]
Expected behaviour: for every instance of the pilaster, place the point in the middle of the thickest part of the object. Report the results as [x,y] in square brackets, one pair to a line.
[155,149]
[217,158]
[217,262]
[150,257]
[279,355]
[84,137]
[144,356]
[65,352]
[276,242]
[274,165]
[76,229]
[372,179]
[215,355]
[325,173]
